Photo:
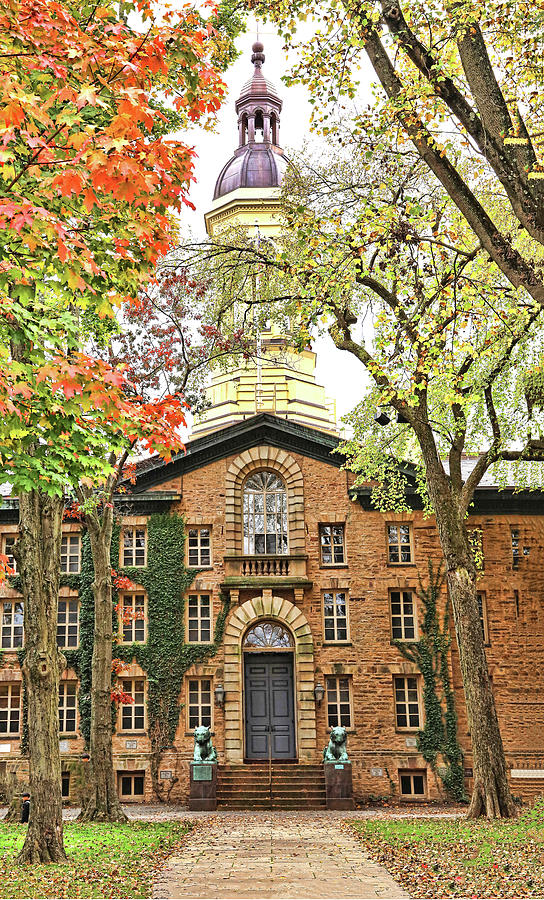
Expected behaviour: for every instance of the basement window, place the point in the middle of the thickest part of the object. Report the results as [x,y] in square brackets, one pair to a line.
[413,784]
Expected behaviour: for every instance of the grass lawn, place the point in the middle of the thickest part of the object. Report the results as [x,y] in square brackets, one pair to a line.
[104,860]
[456,858]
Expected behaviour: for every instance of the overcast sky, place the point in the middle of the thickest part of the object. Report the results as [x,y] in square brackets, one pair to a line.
[342,375]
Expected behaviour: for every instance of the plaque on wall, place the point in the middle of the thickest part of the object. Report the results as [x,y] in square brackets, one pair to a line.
[5,748]
[376,771]
[202,772]
[131,745]
[468,773]
[339,766]
[411,742]
[64,746]
[165,775]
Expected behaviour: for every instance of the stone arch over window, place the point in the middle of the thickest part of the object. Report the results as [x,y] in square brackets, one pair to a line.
[240,622]
[274,460]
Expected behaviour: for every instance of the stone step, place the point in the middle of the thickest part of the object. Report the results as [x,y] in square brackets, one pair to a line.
[273,804]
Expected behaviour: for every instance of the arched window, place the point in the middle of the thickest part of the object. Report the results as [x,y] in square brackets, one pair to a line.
[265,514]
[259,126]
[274,128]
[268,634]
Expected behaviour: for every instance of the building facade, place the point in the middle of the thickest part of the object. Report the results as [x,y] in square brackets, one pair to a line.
[261,594]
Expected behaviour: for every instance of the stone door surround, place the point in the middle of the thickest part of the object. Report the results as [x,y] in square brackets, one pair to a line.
[240,620]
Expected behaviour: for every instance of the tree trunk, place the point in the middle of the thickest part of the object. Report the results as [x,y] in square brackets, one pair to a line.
[491,793]
[103,804]
[40,523]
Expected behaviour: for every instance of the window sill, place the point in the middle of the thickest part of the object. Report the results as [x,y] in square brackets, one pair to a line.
[337,644]
[132,733]
[401,565]
[409,731]
[334,566]
[393,641]
[199,643]
[68,735]
[200,568]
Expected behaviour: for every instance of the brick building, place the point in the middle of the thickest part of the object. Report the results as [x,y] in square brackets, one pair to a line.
[270,611]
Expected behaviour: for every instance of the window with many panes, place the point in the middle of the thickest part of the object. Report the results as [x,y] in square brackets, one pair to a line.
[131,785]
[132,615]
[335,615]
[134,546]
[482,609]
[70,554]
[8,546]
[68,623]
[133,714]
[10,708]
[399,544]
[403,616]
[407,711]
[412,783]
[265,514]
[200,702]
[516,556]
[199,618]
[338,701]
[331,539]
[12,624]
[67,707]
[199,547]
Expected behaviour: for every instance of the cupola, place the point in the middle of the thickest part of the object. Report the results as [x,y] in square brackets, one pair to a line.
[258,162]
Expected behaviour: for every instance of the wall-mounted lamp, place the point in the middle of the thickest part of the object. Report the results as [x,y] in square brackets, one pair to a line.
[381,417]
[219,694]
[319,693]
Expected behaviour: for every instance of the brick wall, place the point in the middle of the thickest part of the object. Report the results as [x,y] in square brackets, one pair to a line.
[378,750]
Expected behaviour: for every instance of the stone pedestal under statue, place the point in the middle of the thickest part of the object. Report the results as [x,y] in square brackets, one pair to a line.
[203,789]
[338,785]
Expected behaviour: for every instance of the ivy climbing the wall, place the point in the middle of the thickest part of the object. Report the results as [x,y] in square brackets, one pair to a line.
[165,657]
[430,654]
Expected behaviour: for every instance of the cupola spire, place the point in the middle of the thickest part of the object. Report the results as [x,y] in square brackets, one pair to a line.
[258,106]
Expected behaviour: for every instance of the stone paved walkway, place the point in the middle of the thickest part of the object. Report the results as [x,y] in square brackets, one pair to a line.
[273,854]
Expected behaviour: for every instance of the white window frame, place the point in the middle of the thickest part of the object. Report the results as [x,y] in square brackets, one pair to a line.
[330,545]
[199,702]
[130,550]
[199,622]
[336,619]
[64,628]
[68,555]
[10,713]
[339,716]
[399,545]
[401,618]
[67,690]
[130,627]
[11,629]
[407,701]
[410,773]
[199,545]
[131,711]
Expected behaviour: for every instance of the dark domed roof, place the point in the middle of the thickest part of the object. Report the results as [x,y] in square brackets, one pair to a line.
[253,166]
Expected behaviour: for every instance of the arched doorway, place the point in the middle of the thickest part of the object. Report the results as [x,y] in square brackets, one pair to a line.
[269,695]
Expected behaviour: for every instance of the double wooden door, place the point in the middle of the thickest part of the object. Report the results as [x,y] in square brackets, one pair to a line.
[269,706]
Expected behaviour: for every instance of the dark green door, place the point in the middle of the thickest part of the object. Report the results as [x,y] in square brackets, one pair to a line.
[269,703]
